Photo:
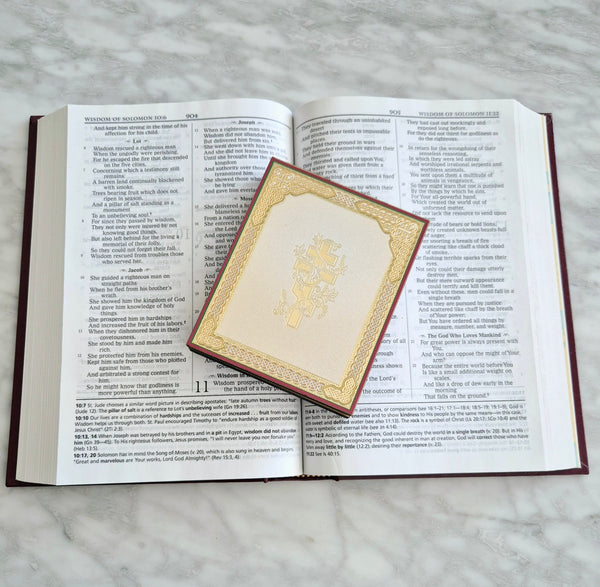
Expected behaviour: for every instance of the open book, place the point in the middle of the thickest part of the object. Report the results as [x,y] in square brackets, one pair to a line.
[130,212]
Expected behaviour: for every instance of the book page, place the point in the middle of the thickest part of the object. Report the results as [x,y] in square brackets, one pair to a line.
[155,195]
[455,386]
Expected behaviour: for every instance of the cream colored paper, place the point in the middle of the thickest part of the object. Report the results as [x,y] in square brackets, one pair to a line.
[321,344]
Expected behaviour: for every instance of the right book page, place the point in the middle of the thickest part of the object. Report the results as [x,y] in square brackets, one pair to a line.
[473,375]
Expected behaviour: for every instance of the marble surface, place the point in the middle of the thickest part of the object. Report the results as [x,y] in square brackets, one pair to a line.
[485,531]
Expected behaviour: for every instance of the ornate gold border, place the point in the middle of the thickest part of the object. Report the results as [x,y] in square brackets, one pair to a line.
[404,234]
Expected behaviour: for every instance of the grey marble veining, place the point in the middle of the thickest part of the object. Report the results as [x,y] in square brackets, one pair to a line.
[485,531]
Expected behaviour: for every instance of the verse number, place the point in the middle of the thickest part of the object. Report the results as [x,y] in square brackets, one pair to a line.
[198,387]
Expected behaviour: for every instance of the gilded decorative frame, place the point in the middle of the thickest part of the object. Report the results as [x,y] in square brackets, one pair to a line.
[405,233]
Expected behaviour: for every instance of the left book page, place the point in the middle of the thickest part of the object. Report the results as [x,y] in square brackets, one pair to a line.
[153,195]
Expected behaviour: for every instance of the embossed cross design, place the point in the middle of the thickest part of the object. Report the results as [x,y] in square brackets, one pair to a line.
[315,271]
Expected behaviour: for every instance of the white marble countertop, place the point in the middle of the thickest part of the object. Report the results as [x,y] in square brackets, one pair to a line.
[482,531]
